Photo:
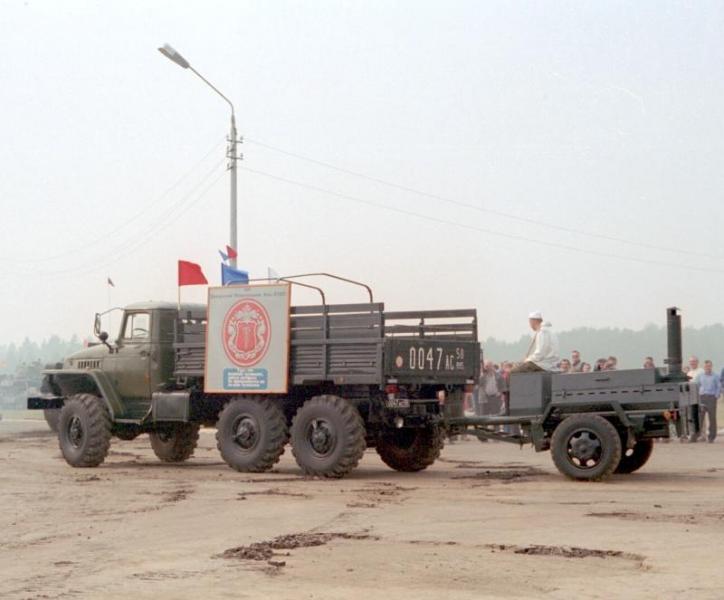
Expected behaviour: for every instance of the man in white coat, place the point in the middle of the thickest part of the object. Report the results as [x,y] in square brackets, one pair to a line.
[542,353]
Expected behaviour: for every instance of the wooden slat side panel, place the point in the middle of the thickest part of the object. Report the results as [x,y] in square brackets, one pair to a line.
[333,321]
[471,313]
[337,308]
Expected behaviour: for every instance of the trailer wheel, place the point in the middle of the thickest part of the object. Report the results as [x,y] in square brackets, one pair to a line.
[52,418]
[410,449]
[632,459]
[175,443]
[84,430]
[586,447]
[328,437]
[251,434]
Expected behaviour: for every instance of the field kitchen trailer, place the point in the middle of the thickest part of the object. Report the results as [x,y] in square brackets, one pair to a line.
[600,423]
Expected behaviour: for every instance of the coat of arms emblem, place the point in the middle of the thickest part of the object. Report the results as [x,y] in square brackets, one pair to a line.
[246,333]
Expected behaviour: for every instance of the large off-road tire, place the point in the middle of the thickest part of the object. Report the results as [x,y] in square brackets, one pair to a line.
[251,434]
[328,437]
[410,449]
[52,418]
[586,447]
[52,415]
[175,443]
[126,432]
[84,430]
[633,459]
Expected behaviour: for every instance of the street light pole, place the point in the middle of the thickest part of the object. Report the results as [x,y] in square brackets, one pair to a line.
[232,155]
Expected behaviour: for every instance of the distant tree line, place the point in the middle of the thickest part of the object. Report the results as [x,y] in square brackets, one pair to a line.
[14,357]
[629,346]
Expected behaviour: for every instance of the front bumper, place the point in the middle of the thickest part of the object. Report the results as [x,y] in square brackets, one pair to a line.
[45,402]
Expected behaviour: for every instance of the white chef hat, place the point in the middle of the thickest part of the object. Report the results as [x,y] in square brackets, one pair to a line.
[536,314]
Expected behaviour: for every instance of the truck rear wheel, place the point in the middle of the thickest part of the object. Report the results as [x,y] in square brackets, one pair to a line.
[634,458]
[586,447]
[84,430]
[328,437]
[410,449]
[175,443]
[251,434]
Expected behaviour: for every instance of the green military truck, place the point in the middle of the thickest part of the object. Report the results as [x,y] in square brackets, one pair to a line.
[357,376]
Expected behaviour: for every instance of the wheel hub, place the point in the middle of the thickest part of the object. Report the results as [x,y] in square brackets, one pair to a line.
[75,432]
[321,437]
[584,449]
[246,433]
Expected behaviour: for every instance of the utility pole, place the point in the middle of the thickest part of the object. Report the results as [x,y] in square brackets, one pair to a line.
[231,152]
[233,157]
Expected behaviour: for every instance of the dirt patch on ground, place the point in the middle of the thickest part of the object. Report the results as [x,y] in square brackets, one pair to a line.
[87,479]
[274,479]
[267,551]
[695,518]
[272,492]
[565,551]
[379,492]
[507,475]
[432,543]
[177,495]
[476,464]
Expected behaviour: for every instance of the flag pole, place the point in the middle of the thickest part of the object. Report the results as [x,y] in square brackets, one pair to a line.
[110,312]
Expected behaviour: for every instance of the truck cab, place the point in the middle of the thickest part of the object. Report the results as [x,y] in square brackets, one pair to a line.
[126,371]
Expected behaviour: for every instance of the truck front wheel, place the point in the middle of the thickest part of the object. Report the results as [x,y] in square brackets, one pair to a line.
[635,458]
[52,418]
[586,447]
[251,434]
[175,443]
[84,430]
[410,449]
[328,437]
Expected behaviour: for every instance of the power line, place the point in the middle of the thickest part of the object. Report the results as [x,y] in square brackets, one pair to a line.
[139,239]
[491,211]
[476,228]
[107,235]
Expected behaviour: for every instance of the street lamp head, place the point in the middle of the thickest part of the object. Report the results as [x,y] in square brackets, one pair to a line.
[171,54]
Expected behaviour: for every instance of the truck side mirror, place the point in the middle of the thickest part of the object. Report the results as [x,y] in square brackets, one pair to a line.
[97,326]
[103,337]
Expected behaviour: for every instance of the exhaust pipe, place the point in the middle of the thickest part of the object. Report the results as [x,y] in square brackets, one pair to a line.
[674,358]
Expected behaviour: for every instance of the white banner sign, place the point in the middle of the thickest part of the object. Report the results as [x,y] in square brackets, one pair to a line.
[247,339]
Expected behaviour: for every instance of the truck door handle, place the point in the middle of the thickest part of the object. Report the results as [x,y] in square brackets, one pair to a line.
[603,379]
[144,353]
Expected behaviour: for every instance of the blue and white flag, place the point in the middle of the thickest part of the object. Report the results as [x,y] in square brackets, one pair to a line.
[230,276]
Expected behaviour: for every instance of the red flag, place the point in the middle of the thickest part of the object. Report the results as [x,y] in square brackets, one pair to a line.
[190,274]
[231,252]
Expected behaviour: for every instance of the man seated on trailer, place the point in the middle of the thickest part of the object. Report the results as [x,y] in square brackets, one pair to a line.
[542,353]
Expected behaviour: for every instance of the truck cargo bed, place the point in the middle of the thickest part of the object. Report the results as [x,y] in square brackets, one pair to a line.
[358,344]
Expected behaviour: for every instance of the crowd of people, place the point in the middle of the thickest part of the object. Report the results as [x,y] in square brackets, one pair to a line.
[491,396]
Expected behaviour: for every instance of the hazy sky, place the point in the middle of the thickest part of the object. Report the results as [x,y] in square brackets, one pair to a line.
[603,118]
